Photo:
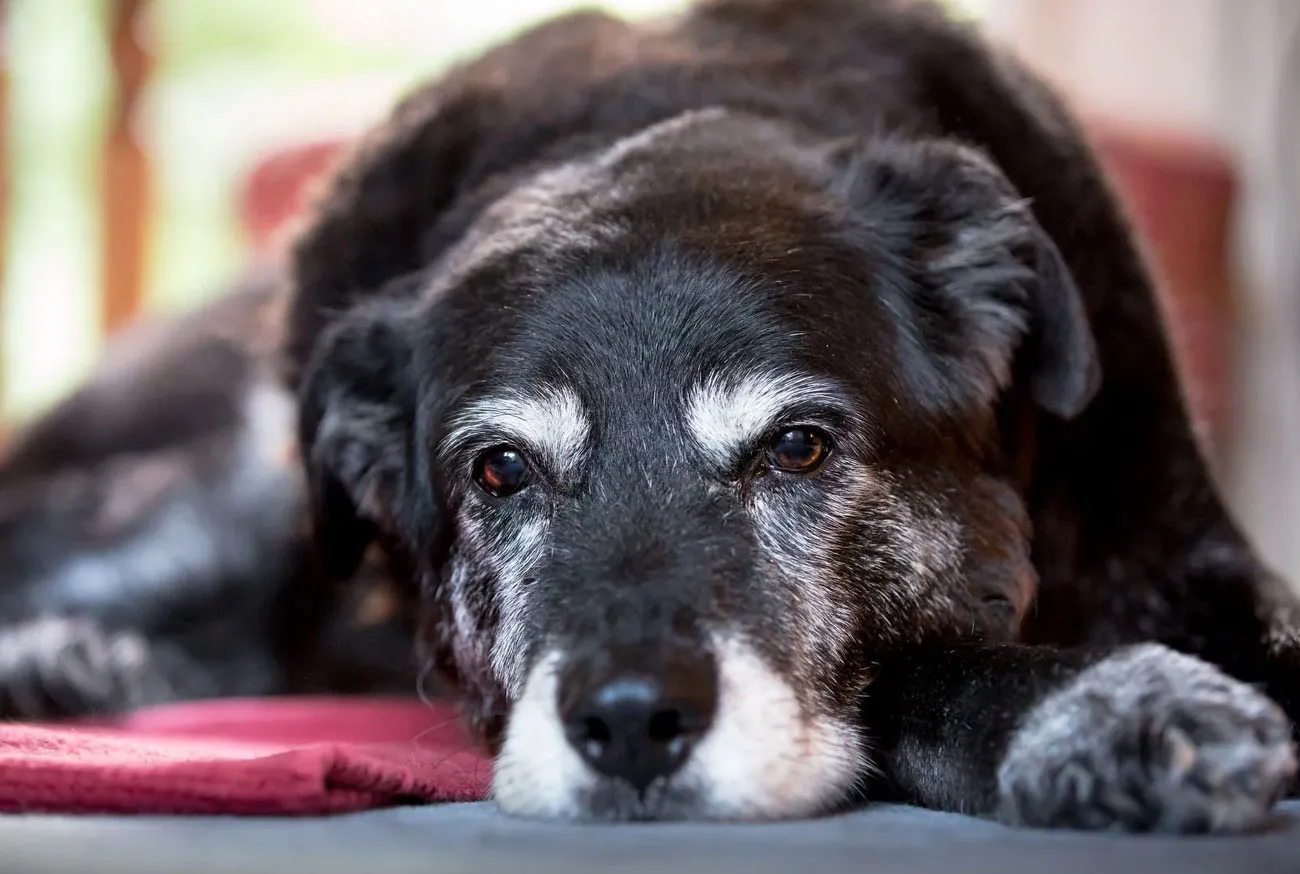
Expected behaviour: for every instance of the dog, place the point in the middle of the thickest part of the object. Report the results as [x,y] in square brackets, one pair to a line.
[763,409]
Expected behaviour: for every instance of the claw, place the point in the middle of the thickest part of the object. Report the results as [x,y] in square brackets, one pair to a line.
[1182,752]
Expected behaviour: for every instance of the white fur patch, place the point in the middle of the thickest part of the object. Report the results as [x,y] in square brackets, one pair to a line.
[471,600]
[538,774]
[726,415]
[271,416]
[509,552]
[765,758]
[513,563]
[551,422]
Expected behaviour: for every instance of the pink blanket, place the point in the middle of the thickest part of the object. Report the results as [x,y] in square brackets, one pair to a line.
[255,757]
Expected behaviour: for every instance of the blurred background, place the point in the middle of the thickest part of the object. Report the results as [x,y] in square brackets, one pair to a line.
[149,148]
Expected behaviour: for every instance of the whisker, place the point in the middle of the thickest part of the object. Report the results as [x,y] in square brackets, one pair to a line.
[436,727]
[420,683]
[446,761]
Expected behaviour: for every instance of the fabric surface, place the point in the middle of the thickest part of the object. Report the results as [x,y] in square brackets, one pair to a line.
[257,757]
[477,839]
[279,757]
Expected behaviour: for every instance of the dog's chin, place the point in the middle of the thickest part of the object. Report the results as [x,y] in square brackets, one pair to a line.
[764,758]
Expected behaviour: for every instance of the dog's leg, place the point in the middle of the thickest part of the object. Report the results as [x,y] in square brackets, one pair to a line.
[1272,664]
[1139,738]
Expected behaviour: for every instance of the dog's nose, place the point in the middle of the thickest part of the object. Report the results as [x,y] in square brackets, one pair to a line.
[639,726]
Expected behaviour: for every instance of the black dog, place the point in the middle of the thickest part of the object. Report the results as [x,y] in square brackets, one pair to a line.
[773,409]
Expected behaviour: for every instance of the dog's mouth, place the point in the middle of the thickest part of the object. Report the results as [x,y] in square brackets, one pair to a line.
[643,736]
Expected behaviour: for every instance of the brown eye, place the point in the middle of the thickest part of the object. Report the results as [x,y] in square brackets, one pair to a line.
[797,450]
[501,471]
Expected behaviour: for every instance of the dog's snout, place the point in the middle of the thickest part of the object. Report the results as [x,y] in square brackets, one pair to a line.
[638,725]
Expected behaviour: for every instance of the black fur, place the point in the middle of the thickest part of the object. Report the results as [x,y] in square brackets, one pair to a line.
[868,192]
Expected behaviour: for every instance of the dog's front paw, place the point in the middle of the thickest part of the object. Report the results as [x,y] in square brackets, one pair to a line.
[58,667]
[1148,740]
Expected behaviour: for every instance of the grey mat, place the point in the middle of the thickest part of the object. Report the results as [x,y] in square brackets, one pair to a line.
[474,838]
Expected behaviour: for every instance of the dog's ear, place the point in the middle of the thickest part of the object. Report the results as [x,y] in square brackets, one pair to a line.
[355,422]
[988,295]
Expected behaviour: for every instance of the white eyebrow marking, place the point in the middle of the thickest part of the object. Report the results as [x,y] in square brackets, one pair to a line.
[550,421]
[727,415]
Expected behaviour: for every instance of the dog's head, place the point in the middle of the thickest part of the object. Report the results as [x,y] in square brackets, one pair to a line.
[681,433]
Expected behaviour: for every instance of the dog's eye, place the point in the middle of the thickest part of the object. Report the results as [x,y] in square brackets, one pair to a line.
[797,450]
[501,471]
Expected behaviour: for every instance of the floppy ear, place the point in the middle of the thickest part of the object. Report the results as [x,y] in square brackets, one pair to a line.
[354,427]
[987,294]
[346,345]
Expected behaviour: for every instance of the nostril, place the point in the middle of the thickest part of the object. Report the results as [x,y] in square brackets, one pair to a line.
[596,730]
[664,726]
[593,738]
